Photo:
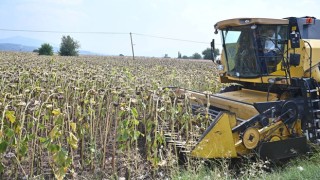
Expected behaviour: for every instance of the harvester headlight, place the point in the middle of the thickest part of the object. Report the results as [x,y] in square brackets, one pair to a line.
[271,80]
[220,67]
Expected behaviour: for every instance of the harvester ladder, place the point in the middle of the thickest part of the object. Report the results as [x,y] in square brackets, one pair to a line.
[313,101]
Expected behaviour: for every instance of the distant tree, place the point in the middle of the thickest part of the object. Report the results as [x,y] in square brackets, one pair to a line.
[207,53]
[179,55]
[36,51]
[69,46]
[166,56]
[45,49]
[121,55]
[196,56]
[185,57]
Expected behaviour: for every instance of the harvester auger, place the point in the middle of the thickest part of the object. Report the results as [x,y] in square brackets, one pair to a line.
[275,110]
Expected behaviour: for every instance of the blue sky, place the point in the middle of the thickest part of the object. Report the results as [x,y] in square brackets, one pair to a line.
[179,19]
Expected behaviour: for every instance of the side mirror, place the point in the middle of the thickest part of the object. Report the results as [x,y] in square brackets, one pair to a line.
[294,59]
[212,50]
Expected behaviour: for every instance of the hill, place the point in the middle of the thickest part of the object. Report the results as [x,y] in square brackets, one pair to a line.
[20,40]
[24,44]
[16,47]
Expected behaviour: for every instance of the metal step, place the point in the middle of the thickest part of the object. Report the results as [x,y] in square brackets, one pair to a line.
[312,90]
[315,100]
[316,110]
[317,123]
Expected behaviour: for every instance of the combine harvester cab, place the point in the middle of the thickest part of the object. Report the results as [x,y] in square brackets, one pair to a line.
[274,110]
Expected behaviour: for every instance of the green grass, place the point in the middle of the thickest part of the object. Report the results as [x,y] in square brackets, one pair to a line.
[298,168]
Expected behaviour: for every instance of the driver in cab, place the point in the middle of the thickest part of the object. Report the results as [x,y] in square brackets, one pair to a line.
[270,48]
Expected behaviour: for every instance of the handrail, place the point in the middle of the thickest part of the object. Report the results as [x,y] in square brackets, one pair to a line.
[310,57]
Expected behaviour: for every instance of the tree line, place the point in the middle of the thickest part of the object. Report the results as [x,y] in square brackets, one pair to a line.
[206,54]
[68,47]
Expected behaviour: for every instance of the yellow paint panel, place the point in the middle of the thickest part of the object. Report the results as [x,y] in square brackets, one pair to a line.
[218,142]
[305,51]
[239,102]
[263,79]
[249,96]
[315,73]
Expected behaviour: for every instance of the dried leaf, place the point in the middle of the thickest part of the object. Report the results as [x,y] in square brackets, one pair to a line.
[72,140]
[73,126]
[10,116]
[56,112]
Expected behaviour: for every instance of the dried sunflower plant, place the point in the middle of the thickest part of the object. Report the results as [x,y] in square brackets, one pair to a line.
[94,116]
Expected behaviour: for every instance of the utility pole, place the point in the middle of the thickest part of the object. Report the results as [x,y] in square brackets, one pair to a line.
[132,46]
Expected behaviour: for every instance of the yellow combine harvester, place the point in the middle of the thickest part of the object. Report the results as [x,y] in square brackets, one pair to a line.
[273,110]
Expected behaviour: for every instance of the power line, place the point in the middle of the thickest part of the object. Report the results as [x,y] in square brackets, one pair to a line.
[170,38]
[100,32]
[69,32]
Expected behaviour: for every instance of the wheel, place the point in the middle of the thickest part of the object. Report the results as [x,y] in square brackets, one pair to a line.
[251,138]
